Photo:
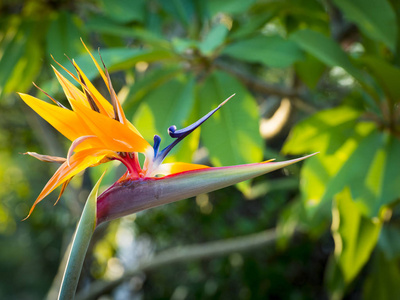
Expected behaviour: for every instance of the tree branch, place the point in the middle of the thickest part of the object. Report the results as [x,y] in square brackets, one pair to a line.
[182,254]
[255,84]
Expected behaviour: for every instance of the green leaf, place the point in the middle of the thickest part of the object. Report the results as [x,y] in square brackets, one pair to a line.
[355,235]
[390,188]
[273,51]
[386,75]
[383,279]
[325,131]
[63,36]
[104,26]
[151,80]
[230,7]
[389,241]
[326,50]
[231,135]
[215,38]
[362,174]
[375,18]
[168,104]
[20,55]
[310,70]
[117,59]
[124,11]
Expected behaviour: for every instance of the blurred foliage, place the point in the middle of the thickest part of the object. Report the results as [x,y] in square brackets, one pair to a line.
[338,63]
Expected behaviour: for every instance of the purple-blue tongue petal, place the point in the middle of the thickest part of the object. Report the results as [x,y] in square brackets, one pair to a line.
[180,134]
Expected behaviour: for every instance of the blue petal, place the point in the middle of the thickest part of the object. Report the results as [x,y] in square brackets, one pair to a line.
[182,133]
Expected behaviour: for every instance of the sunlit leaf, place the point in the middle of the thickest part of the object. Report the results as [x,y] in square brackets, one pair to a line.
[325,131]
[355,235]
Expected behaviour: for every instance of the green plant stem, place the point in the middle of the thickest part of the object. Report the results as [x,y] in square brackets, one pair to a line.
[80,244]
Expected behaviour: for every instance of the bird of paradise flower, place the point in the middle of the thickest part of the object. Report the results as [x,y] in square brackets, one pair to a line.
[100,132]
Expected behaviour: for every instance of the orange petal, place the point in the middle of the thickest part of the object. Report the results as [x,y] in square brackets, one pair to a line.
[70,90]
[64,120]
[78,162]
[115,136]
[104,106]
[97,65]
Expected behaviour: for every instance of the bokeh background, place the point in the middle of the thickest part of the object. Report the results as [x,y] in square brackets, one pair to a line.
[309,75]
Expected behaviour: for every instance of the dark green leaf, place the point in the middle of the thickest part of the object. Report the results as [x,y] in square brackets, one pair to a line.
[117,59]
[310,70]
[124,11]
[63,36]
[273,51]
[326,50]
[231,135]
[386,75]
[230,7]
[389,241]
[383,280]
[375,18]
[168,104]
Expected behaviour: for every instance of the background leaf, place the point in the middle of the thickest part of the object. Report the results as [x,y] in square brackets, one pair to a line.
[273,51]
[231,135]
[355,236]
[375,18]
[326,50]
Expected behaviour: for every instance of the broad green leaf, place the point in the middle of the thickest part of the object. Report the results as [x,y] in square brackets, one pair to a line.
[20,55]
[383,279]
[273,51]
[151,80]
[386,75]
[362,174]
[390,188]
[181,10]
[326,50]
[249,26]
[355,235]
[310,70]
[101,25]
[63,37]
[117,59]
[325,131]
[215,38]
[168,104]
[389,241]
[230,7]
[124,11]
[375,18]
[231,135]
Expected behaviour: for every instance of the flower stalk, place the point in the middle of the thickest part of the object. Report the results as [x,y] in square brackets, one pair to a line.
[80,244]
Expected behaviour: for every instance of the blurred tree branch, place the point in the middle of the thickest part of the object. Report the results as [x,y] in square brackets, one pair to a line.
[183,254]
[254,83]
